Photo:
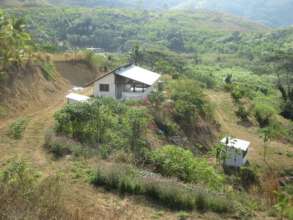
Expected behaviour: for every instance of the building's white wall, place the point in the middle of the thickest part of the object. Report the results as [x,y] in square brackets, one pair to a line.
[110,79]
[234,158]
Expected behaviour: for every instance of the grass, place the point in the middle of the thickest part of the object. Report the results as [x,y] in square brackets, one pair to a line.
[61,146]
[24,196]
[167,192]
[3,111]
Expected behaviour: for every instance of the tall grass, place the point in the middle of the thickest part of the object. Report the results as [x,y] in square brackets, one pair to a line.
[167,192]
[23,196]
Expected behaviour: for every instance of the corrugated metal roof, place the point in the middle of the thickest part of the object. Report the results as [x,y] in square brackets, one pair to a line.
[236,143]
[77,97]
[139,74]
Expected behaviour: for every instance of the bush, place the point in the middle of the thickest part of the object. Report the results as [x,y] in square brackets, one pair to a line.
[208,80]
[287,110]
[106,122]
[175,161]
[248,177]
[264,114]
[48,71]
[189,101]
[61,146]
[238,92]
[242,113]
[201,202]
[17,128]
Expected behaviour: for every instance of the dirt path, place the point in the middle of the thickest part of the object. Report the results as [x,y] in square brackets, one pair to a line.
[225,115]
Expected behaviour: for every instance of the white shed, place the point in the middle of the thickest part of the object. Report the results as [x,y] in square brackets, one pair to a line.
[75,98]
[236,151]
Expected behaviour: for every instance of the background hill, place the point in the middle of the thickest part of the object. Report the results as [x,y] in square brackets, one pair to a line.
[269,12]
[118,29]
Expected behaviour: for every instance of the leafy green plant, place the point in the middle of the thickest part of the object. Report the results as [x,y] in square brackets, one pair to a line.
[282,204]
[242,113]
[175,161]
[264,114]
[189,101]
[17,128]
[106,122]
[48,70]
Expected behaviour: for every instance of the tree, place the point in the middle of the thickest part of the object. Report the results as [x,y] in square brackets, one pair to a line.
[268,134]
[15,43]
[283,65]
[136,55]
[135,126]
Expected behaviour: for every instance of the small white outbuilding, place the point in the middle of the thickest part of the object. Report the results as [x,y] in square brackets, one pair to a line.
[75,98]
[235,151]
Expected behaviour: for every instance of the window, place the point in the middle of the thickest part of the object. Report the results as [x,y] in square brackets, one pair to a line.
[104,87]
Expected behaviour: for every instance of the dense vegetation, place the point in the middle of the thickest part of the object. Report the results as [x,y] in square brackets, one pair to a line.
[117,30]
[270,12]
[15,44]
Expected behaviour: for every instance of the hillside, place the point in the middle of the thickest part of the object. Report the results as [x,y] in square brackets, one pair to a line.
[159,157]
[271,12]
[117,30]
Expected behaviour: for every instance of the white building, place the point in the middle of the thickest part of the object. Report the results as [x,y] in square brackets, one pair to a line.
[75,98]
[235,151]
[126,82]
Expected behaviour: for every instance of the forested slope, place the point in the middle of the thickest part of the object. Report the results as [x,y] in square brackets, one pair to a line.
[117,29]
[269,12]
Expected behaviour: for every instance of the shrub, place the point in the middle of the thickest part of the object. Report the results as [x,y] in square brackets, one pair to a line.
[238,92]
[175,161]
[220,204]
[287,110]
[48,70]
[248,177]
[264,114]
[61,146]
[106,122]
[208,80]
[17,128]
[242,113]
[201,202]
[189,101]
[169,127]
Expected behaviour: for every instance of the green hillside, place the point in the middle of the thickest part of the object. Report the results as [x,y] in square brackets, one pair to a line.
[117,29]
[270,12]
